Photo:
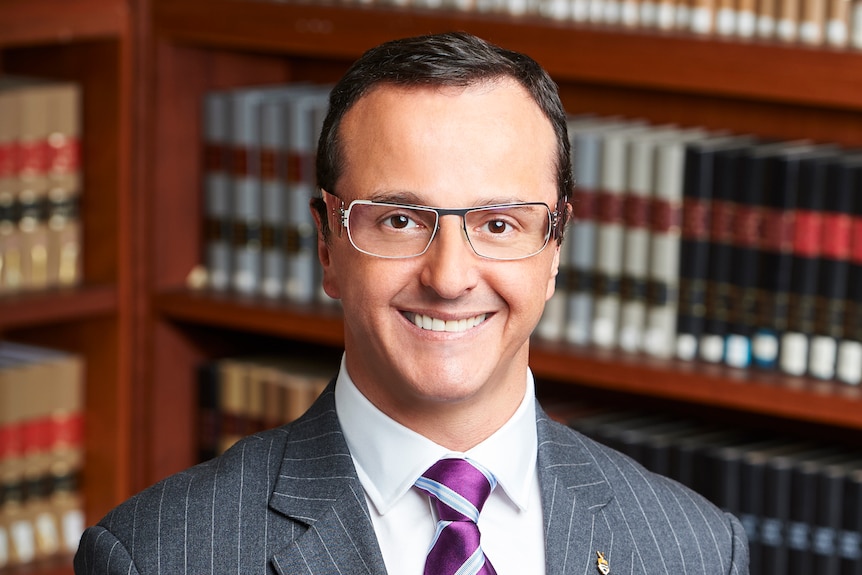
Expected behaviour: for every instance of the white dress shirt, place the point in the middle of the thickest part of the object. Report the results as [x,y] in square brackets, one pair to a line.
[390,457]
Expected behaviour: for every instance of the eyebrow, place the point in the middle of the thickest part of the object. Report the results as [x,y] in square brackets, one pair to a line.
[411,198]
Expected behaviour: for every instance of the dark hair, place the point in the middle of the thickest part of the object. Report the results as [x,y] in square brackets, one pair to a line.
[452,59]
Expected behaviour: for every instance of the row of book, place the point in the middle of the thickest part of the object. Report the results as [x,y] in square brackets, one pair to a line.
[240,396]
[40,184]
[835,23]
[724,248]
[800,501]
[258,179]
[41,453]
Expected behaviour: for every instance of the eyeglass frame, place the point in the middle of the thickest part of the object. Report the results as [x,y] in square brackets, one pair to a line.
[557,220]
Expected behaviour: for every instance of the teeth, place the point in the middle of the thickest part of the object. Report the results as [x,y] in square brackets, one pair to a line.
[455,325]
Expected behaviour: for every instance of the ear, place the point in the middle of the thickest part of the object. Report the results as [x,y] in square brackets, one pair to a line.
[555,269]
[324,254]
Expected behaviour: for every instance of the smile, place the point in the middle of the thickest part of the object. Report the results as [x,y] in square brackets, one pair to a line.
[437,324]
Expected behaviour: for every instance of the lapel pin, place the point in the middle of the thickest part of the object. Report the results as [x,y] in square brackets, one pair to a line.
[602,564]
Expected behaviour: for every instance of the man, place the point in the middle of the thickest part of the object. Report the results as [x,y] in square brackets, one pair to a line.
[444,173]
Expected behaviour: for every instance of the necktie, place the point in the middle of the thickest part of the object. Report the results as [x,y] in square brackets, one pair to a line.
[458,490]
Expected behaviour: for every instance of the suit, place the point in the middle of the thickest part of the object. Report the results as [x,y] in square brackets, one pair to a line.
[289,501]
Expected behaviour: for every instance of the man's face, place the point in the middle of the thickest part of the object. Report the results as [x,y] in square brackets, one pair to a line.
[442,147]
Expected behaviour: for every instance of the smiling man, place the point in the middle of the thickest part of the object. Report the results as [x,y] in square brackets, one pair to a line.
[444,174]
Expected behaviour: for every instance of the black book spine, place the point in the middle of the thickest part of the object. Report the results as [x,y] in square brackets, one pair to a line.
[694,247]
[849,368]
[807,235]
[803,510]
[776,259]
[748,201]
[776,516]
[721,248]
[831,300]
[830,491]
[850,538]
[209,424]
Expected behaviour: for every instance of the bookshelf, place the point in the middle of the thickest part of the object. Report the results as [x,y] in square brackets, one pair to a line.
[88,42]
[201,45]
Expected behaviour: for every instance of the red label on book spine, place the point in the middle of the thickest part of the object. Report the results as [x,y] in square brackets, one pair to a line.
[267,165]
[778,230]
[637,211]
[856,240]
[64,153]
[836,236]
[8,159]
[33,157]
[722,221]
[66,430]
[747,223]
[610,208]
[695,219]
[665,217]
[298,168]
[240,162]
[36,435]
[584,205]
[806,233]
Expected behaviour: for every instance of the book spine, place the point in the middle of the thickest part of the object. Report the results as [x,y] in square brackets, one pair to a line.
[849,362]
[636,240]
[694,249]
[301,246]
[586,160]
[776,260]
[273,157]
[662,289]
[718,286]
[217,190]
[245,192]
[850,537]
[831,302]
[808,215]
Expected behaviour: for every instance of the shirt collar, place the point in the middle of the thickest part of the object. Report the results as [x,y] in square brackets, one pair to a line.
[389,457]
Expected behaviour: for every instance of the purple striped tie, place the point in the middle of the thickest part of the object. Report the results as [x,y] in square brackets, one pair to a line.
[458,490]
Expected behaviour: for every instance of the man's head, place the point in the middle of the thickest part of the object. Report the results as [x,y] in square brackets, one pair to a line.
[445,190]
[455,60]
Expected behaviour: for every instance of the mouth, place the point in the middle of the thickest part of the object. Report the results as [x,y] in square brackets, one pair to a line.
[437,324]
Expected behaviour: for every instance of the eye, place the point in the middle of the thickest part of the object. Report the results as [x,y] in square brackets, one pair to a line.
[497,226]
[399,221]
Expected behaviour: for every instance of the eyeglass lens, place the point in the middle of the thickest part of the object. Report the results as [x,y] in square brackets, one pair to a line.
[498,232]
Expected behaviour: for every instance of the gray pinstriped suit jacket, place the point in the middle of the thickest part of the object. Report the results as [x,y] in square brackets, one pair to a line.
[288,501]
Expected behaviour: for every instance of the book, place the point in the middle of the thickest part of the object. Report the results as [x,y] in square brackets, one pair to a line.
[850,536]
[776,257]
[787,20]
[831,303]
[811,22]
[718,297]
[636,209]
[216,189]
[586,142]
[849,360]
[609,234]
[694,243]
[301,234]
[807,242]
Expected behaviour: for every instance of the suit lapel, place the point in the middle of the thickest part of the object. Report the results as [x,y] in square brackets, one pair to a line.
[318,488]
[573,489]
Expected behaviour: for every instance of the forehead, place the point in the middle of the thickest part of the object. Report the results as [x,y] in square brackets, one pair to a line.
[489,137]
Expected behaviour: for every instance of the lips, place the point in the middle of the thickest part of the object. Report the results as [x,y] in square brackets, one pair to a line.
[453,325]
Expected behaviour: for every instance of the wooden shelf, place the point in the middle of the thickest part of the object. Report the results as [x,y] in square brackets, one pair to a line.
[310,323]
[55,306]
[758,392]
[675,63]
[57,21]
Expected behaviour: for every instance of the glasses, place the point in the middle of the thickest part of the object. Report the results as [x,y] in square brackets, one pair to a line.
[498,232]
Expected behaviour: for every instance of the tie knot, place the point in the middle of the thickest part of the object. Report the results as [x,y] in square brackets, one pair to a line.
[458,488]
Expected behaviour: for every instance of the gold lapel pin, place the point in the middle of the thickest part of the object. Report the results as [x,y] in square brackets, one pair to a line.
[602,564]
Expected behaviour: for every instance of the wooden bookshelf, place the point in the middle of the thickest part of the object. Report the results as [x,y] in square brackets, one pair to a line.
[766,89]
[88,42]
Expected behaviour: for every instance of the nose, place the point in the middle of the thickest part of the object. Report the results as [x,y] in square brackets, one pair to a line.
[450,265]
